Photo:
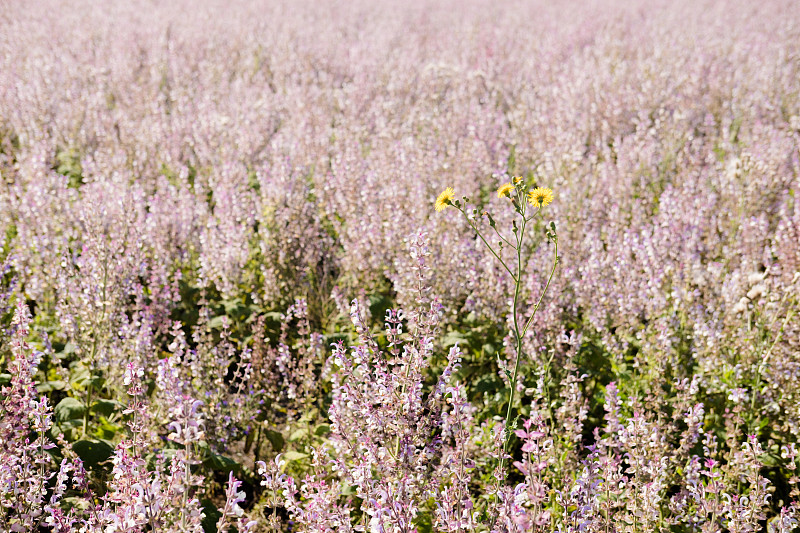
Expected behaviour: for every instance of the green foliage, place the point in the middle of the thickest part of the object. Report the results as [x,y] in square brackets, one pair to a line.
[69,409]
[68,164]
[212,515]
[93,452]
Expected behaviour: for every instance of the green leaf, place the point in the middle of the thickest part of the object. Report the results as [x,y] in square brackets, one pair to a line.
[220,462]
[76,502]
[81,378]
[93,452]
[69,409]
[212,516]
[424,523]
[454,337]
[769,460]
[231,306]
[309,414]
[274,316]
[276,439]
[322,429]
[216,322]
[105,429]
[69,348]
[294,456]
[379,304]
[105,407]
[298,434]
[217,462]
[50,386]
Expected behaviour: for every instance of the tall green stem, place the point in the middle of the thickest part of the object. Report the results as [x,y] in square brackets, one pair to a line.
[519,335]
[517,285]
[519,235]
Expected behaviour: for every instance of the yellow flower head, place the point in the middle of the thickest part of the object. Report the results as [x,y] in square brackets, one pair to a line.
[540,196]
[445,199]
[517,180]
[505,190]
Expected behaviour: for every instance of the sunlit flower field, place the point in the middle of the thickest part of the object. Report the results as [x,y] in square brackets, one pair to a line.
[393,267]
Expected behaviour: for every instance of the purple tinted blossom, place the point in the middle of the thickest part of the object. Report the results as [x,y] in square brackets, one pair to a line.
[187,421]
[232,511]
[24,420]
[512,516]
[267,155]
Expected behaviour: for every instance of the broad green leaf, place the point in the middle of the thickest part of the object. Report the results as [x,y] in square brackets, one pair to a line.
[106,407]
[93,452]
[298,434]
[454,337]
[69,409]
[211,516]
[220,462]
[50,386]
[276,439]
[216,322]
[294,456]
[107,430]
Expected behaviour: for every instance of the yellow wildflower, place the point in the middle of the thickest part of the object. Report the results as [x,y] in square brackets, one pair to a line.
[517,180]
[445,199]
[540,196]
[505,190]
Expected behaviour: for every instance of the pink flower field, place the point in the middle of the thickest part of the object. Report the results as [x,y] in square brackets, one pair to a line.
[394,267]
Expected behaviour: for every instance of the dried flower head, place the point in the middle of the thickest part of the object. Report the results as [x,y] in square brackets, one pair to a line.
[540,196]
[445,199]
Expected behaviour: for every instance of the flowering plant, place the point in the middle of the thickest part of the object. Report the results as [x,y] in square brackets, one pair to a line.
[227,303]
[520,198]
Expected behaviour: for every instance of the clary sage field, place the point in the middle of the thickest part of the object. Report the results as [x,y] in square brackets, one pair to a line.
[456,265]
